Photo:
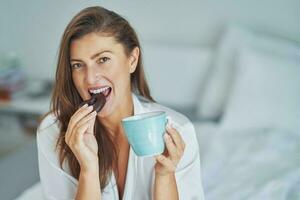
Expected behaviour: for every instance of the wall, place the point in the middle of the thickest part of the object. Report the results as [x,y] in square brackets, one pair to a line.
[33,28]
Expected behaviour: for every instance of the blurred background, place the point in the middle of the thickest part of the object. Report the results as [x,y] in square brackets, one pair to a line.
[232,67]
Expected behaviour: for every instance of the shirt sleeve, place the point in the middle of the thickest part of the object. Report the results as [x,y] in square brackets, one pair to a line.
[188,172]
[56,183]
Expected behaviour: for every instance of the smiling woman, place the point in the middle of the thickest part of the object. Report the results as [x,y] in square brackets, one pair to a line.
[92,159]
[108,67]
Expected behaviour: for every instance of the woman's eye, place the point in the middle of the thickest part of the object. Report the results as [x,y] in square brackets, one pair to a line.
[76,65]
[103,59]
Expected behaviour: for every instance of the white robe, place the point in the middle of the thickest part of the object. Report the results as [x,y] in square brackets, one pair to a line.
[58,184]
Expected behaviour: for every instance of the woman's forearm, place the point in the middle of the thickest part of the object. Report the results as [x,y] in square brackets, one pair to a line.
[165,187]
[89,186]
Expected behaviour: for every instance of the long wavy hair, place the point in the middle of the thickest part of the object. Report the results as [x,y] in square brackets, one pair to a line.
[66,99]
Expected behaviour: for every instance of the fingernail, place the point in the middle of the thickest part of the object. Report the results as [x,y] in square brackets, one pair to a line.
[85,105]
[167,137]
[90,107]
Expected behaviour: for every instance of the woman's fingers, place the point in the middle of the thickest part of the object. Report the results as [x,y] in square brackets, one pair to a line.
[92,125]
[81,130]
[172,150]
[84,147]
[84,120]
[176,137]
[83,111]
[166,162]
[79,114]
[81,108]
[77,139]
[75,119]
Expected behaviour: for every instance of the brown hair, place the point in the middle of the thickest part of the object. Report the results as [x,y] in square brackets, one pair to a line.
[66,99]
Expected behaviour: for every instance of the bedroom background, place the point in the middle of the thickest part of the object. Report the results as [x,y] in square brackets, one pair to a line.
[232,67]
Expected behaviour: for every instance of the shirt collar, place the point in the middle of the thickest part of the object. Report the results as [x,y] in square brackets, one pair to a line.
[138,108]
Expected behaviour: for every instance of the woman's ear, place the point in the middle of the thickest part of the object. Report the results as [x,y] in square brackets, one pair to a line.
[134,58]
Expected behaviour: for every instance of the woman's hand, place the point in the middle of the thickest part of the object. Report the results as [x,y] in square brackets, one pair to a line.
[166,163]
[81,139]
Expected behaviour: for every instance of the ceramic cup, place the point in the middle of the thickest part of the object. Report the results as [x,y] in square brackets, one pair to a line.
[145,132]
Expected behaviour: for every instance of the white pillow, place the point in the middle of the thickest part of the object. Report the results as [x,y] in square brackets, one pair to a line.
[266,92]
[216,92]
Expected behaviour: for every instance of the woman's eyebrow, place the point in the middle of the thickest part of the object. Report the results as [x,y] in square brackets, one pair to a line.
[93,56]
[97,54]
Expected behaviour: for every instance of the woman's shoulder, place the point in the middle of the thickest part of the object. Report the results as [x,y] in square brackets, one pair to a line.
[48,129]
[47,121]
[49,159]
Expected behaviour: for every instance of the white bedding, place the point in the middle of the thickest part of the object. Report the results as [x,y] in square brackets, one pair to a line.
[255,92]
[250,164]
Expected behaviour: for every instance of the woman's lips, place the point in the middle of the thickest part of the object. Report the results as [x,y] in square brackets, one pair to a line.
[107,92]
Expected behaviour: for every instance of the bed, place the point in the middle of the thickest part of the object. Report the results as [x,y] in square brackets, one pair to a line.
[246,116]
[253,151]
[252,164]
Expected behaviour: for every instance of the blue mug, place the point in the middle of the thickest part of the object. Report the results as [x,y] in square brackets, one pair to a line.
[145,132]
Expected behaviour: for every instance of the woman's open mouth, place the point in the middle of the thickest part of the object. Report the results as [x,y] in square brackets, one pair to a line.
[105,90]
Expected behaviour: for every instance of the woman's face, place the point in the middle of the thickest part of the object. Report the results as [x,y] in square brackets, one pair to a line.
[99,62]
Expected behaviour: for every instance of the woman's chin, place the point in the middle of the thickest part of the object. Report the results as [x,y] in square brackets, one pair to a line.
[103,114]
[106,111]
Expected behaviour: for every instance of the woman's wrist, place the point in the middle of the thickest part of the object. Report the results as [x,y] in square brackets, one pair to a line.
[90,170]
[165,187]
[170,177]
[89,185]
[164,175]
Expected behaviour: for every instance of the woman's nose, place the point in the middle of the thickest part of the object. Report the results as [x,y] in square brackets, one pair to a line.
[91,76]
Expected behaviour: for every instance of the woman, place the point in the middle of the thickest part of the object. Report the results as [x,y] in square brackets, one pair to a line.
[84,154]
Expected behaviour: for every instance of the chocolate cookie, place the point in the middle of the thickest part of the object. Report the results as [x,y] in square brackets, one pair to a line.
[100,102]
[97,100]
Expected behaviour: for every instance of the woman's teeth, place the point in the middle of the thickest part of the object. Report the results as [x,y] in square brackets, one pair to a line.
[103,90]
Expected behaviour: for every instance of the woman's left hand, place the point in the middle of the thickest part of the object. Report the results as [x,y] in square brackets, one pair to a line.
[166,163]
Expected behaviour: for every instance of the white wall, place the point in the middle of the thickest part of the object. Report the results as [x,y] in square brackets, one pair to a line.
[33,28]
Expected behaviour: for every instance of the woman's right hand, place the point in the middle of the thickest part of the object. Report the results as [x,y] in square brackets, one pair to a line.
[81,139]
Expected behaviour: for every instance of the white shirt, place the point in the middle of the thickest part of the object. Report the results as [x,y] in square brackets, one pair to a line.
[58,184]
